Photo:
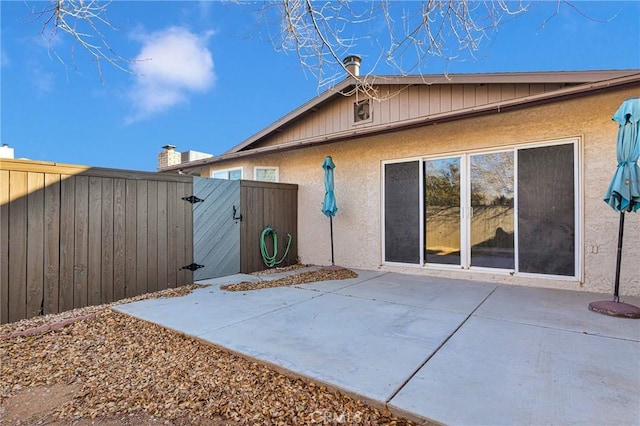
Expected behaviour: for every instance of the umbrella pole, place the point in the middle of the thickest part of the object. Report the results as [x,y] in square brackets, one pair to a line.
[331,227]
[616,297]
[616,308]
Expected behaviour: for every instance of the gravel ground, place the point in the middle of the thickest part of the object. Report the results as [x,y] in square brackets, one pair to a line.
[116,369]
[301,278]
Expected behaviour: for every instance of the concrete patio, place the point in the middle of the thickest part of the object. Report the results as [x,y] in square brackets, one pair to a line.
[449,351]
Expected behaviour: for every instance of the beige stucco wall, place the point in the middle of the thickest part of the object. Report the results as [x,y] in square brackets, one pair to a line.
[357,226]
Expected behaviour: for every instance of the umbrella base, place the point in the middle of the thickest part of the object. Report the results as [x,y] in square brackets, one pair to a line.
[615,309]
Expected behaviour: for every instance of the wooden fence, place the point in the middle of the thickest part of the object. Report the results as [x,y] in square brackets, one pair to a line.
[228,224]
[273,204]
[75,236]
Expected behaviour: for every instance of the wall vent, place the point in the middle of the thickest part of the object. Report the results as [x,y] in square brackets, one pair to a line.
[362,111]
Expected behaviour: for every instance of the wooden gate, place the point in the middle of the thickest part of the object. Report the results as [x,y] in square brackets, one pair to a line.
[216,227]
[228,223]
[73,236]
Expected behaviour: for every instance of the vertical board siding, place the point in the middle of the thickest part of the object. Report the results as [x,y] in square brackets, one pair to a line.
[162,236]
[152,237]
[106,242]
[81,242]
[275,205]
[131,221]
[252,225]
[94,242]
[172,234]
[4,246]
[72,237]
[119,239]
[17,246]
[187,258]
[394,103]
[35,244]
[180,237]
[51,242]
[66,250]
[141,237]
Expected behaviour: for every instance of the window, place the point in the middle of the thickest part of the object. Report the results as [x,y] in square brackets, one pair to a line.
[230,174]
[513,209]
[265,174]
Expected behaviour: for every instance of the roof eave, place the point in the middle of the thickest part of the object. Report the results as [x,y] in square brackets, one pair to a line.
[503,106]
[308,106]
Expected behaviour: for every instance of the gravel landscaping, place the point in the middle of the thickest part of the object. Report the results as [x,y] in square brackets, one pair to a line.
[112,369]
[301,278]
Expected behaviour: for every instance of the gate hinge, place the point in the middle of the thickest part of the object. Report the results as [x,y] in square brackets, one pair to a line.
[193,199]
[193,267]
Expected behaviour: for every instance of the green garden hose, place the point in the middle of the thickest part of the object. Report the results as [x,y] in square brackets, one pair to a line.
[269,260]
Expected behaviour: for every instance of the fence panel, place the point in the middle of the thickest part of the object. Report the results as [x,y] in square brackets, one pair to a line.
[273,204]
[71,236]
[66,248]
[4,246]
[35,244]
[51,242]
[17,246]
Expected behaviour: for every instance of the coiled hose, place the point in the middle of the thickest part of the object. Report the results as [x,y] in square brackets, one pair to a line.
[268,259]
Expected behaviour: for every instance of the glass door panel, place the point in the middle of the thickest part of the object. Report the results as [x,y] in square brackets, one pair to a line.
[402,212]
[492,218]
[442,211]
[546,210]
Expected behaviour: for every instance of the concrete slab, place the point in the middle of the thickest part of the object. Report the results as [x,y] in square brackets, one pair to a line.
[210,308]
[562,309]
[494,372]
[494,354]
[363,346]
[425,292]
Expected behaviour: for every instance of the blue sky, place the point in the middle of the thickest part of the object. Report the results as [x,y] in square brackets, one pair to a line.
[207,77]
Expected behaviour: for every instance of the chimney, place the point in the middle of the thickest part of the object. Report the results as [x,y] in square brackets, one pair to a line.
[352,64]
[168,157]
[6,151]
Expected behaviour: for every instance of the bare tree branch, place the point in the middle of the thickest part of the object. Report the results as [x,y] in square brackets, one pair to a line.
[406,35]
[84,21]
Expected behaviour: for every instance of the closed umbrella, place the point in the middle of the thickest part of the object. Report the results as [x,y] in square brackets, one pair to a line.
[329,206]
[623,194]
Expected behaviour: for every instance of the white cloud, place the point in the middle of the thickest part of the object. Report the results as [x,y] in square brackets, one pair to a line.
[4,59]
[172,64]
[42,80]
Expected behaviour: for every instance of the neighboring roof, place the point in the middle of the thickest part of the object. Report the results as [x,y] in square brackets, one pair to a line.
[582,82]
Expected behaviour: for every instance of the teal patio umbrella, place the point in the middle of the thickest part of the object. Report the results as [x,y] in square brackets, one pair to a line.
[329,206]
[623,194]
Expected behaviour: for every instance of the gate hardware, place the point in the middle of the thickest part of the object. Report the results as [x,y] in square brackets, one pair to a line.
[193,267]
[237,216]
[193,199]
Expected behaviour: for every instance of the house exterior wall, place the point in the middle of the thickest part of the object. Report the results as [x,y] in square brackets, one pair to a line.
[398,103]
[357,225]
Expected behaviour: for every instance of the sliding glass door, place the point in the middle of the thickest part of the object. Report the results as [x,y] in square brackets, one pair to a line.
[442,211]
[546,210]
[512,210]
[491,214]
[468,210]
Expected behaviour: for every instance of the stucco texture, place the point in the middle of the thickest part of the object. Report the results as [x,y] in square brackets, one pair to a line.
[357,225]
